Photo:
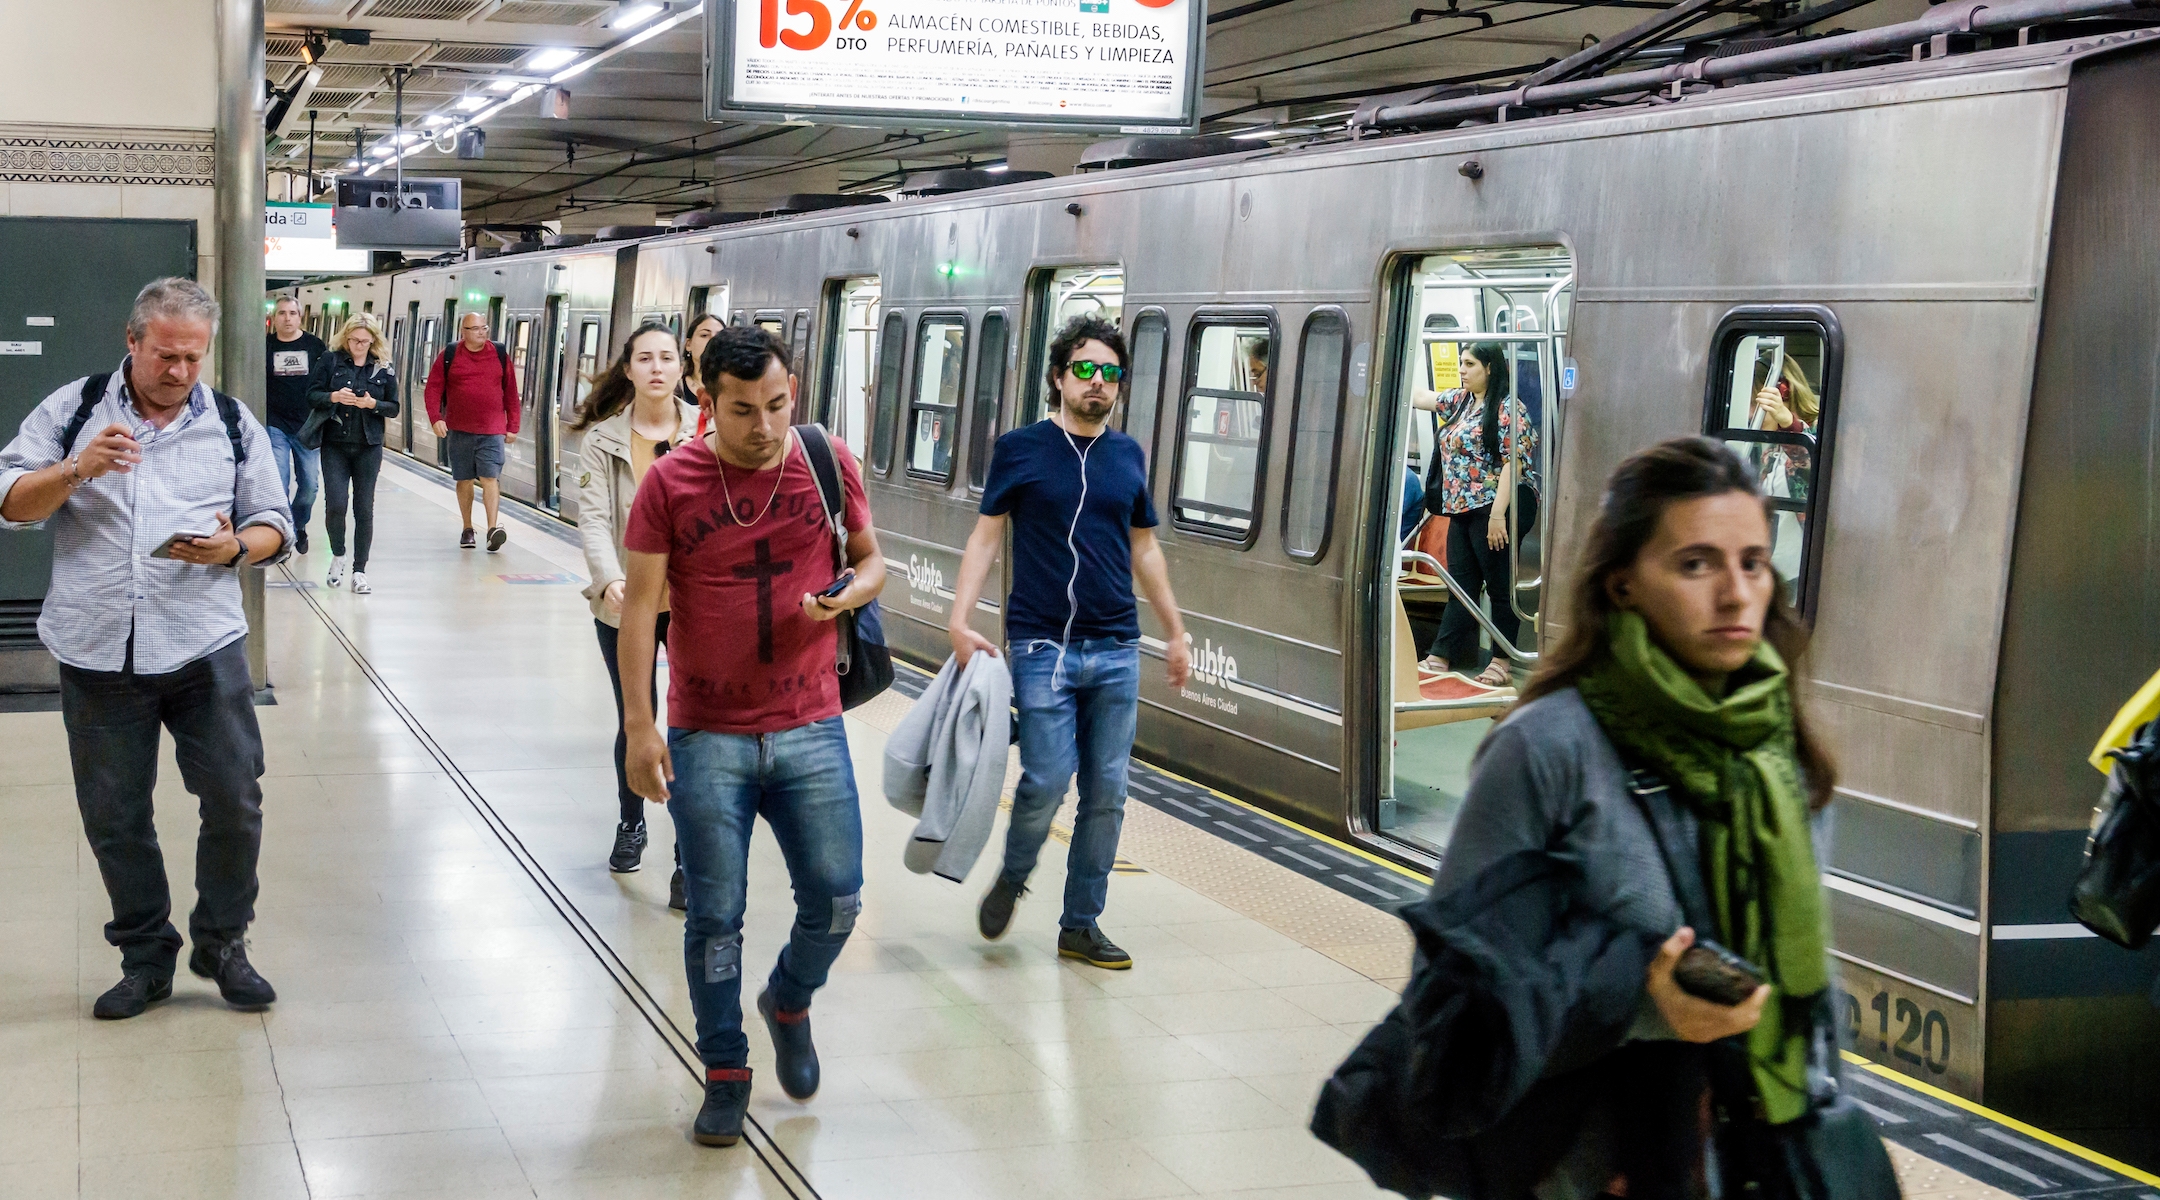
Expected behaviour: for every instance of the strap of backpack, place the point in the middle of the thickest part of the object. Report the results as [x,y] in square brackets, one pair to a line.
[817,447]
[93,390]
[228,411]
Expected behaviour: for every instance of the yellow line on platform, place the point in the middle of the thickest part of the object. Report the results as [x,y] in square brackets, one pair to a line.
[1287,823]
[2042,1135]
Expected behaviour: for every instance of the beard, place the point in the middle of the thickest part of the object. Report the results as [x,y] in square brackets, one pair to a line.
[1091,408]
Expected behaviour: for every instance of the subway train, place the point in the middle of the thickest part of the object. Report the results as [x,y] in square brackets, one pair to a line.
[1945,268]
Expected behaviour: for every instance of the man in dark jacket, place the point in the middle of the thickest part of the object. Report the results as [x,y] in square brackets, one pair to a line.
[292,358]
[472,397]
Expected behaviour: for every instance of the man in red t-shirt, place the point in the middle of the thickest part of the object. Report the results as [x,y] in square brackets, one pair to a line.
[472,398]
[731,528]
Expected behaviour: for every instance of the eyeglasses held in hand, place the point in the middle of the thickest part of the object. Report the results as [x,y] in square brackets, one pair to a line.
[1084,370]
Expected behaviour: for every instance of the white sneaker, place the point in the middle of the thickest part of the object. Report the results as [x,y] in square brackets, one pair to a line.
[360,584]
[337,571]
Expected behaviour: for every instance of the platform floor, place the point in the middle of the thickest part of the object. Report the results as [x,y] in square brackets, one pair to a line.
[472,1006]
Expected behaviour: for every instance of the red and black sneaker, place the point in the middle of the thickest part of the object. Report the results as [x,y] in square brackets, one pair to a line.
[727,1095]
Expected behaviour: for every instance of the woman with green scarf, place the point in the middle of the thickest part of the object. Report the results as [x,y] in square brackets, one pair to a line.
[1675,662]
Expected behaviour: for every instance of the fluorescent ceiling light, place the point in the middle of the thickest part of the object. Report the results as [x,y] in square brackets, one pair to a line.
[551,58]
[572,71]
[471,103]
[350,163]
[502,85]
[998,167]
[381,151]
[634,15]
[434,119]
[662,27]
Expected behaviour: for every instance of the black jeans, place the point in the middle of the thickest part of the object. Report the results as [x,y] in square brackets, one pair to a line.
[1481,569]
[112,720]
[633,805]
[350,464]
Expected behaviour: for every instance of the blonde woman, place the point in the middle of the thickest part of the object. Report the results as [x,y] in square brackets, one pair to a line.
[356,391]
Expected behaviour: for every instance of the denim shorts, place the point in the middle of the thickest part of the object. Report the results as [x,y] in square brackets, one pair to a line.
[475,455]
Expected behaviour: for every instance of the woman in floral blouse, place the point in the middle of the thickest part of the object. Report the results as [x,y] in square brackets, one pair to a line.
[1484,465]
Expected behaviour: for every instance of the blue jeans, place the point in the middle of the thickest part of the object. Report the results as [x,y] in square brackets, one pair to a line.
[1075,717]
[291,458]
[802,782]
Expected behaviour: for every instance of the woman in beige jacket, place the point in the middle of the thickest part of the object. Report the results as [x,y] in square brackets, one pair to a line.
[631,416]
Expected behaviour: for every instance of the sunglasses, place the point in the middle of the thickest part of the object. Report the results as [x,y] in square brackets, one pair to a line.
[1084,370]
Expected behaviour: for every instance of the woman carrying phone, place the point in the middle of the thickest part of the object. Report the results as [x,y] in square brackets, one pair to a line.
[632,415]
[1677,661]
[355,389]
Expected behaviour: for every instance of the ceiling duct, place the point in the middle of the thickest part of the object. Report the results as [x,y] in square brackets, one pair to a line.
[963,179]
[1119,153]
[807,202]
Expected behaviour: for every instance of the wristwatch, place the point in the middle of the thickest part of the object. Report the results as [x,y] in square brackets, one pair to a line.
[238,559]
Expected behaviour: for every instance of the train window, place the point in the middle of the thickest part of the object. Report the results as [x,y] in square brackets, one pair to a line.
[426,365]
[892,347]
[1056,296]
[588,361]
[495,318]
[367,306]
[674,324]
[1315,423]
[1230,361]
[774,324]
[520,350]
[940,364]
[989,395]
[1772,397]
[799,345]
[1143,397]
[850,355]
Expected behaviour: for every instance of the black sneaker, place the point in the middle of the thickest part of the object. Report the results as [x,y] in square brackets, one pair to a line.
[138,989]
[299,541]
[794,1054]
[496,537]
[227,963]
[727,1094]
[466,540]
[1091,947]
[629,848]
[996,914]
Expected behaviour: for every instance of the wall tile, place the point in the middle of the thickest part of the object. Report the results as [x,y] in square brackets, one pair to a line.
[64,199]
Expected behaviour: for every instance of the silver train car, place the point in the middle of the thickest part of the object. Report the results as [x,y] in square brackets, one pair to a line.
[1945,270]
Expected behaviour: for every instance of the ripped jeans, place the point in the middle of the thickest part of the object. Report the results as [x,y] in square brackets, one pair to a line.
[802,782]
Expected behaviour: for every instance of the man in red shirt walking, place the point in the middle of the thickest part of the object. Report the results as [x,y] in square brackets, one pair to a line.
[472,397]
[732,529]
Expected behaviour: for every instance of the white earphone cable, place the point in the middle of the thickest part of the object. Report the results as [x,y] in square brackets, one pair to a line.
[1072,602]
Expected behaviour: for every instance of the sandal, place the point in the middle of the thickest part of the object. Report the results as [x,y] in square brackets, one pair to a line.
[1495,675]
[1433,665]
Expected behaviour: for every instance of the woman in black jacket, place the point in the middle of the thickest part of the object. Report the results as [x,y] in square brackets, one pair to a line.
[355,390]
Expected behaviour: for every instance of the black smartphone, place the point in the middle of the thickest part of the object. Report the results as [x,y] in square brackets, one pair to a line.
[1710,972]
[165,548]
[838,586]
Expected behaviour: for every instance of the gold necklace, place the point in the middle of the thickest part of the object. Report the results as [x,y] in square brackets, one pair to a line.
[728,501]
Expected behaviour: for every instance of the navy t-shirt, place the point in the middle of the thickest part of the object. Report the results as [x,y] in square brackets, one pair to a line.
[1035,480]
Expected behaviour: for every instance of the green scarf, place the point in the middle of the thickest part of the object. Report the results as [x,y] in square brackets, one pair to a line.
[1732,760]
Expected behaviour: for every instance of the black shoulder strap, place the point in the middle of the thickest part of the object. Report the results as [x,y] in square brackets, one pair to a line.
[817,447]
[228,411]
[93,390]
[1654,798]
[502,353]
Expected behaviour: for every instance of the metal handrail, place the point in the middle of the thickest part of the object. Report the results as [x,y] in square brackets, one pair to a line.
[1496,700]
[1461,596]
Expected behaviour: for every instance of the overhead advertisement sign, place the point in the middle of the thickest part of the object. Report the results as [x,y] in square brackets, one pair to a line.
[1129,66]
[298,239]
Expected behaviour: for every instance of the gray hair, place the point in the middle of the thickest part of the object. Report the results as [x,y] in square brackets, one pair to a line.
[282,299]
[171,298]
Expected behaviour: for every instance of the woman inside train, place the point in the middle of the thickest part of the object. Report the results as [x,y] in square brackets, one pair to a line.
[692,391]
[1661,749]
[1483,468]
[633,414]
[355,391]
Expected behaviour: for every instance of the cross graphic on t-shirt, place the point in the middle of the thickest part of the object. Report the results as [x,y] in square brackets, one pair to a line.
[764,571]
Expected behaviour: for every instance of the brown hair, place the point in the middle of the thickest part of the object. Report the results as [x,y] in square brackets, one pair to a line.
[613,391]
[1636,497]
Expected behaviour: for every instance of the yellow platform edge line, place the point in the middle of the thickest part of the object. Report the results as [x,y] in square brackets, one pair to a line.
[1287,823]
[2060,1143]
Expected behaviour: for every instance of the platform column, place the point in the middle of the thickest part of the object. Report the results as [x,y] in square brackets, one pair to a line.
[240,193]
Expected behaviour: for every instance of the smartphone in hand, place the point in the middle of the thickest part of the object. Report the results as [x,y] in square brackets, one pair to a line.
[838,586]
[1710,972]
[165,548]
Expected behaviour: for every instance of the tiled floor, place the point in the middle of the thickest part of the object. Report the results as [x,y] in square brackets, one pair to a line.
[442,1031]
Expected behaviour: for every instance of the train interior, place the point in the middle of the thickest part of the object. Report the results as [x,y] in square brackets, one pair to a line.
[1508,303]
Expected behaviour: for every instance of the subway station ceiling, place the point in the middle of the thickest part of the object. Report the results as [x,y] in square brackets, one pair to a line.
[633,145]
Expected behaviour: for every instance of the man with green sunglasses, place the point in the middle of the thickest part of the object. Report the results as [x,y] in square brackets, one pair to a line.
[1076,492]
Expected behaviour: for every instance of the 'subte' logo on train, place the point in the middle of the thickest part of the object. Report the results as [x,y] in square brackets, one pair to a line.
[923,576]
[1211,663]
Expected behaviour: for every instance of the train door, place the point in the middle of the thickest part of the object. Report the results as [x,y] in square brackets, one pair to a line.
[495,318]
[850,359]
[525,470]
[1057,295]
[1462,621]
[420,442]
[394,429]
[584,372]
[549,354]
[798,344]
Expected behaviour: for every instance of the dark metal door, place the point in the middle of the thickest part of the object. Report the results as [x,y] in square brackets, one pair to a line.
[64,299]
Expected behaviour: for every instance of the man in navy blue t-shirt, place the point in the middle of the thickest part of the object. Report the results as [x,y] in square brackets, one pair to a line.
[1083,525]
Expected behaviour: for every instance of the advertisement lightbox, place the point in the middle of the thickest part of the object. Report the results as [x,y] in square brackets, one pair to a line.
[1126,66]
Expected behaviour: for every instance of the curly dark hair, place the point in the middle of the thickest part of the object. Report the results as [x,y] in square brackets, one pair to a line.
[1083,328]
[743,351]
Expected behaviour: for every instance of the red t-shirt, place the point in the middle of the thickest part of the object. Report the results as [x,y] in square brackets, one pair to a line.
[742,656]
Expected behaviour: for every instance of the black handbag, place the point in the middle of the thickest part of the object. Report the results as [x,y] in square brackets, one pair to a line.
[863,660]
[315,427]
[2117,894]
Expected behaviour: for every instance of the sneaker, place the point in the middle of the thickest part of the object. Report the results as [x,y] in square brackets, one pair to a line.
[727,1094]
[337,571]
[496,537]
[138,989]
[629,848]
[675,897]
[227,964]
[360,585]
[299,541]
[466,541]
[1091,947]
[794,1054]
[996,914]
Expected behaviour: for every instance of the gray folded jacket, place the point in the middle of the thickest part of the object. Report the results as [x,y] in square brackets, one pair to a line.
[945,763]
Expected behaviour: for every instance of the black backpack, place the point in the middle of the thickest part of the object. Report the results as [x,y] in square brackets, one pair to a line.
[502,355]
[93,390]
[2117,894]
